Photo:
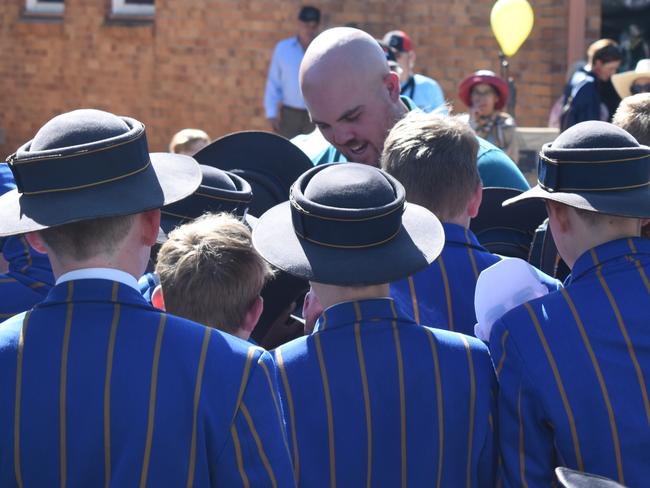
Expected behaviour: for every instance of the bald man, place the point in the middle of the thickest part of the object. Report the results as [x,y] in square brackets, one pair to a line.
[354,100]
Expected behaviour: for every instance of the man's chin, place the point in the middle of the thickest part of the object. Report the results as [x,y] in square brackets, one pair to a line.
[366,158]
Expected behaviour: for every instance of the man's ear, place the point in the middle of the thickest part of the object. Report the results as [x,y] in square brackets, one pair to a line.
[391,82]
[253,315]
[474,204]
[151,226]
[36,241]
[157,299]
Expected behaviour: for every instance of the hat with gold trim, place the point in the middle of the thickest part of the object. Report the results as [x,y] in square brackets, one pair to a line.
[348,224]
[594,166]
[88,164]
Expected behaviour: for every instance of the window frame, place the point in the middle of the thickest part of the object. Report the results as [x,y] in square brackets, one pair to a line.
[41,7]
[134,8]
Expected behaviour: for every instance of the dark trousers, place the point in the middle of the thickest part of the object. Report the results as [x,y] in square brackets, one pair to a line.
[294,121]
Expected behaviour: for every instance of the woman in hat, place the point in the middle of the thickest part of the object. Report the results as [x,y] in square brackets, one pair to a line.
[485,94]
[635,81]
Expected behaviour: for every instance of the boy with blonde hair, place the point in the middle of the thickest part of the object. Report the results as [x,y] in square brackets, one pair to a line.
[210,273]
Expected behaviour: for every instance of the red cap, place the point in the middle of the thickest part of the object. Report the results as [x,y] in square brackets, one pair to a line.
[399,40]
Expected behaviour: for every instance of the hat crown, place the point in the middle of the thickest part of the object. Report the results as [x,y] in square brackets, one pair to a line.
[78,127]
[340,189]
[592,135]
[216,178]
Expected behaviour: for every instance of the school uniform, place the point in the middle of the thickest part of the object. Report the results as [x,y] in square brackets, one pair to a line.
[572,370]
[28,279]
[442,295]
[373,399]
[101,389]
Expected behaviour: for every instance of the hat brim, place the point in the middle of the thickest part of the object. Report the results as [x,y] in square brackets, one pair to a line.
[465,89]
[629,203]
[418,243]
[623,81]
[169,178]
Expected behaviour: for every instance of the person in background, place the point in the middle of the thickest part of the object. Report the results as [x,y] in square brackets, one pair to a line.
[188,142]
[582,95]
[283,102]
[354,99]
[370,397]
[485,94]
[424,91]
[572,365]
[633,82]
[435,159]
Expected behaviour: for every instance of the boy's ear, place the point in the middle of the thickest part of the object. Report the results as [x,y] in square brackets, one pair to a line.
[36,241]
[474,204]
[253,315]
[157,299]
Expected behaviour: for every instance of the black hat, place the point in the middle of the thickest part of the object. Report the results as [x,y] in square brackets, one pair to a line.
[89,164]
[269,162]
[594,166]
[508,231]
[220,191]
[348,224]
[309,14]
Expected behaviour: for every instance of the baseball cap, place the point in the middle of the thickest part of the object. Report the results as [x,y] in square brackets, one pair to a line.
[309,14]
[399,40]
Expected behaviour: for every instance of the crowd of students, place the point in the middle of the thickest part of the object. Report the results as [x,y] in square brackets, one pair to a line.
[185,377]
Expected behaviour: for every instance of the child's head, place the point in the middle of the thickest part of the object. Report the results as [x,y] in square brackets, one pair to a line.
[210,273]
[435,159]
[188,141]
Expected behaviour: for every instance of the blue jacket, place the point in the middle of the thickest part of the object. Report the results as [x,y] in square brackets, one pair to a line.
[442,295]
[373,399]
[494,166]
[574,372]
[28,280]
[98,389]
[586,103]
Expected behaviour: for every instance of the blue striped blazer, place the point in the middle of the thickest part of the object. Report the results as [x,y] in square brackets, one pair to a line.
[100,389]
[373,399]
[28,280]
[442,295]
[574,370]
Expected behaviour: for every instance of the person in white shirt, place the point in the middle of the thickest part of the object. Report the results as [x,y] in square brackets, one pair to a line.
[283,102]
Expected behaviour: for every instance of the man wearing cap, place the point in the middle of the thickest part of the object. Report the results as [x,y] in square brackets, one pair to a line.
[98,387]
[283,102]
[424,91]
[354,100]
[573,365]
[435,159]
[372,398]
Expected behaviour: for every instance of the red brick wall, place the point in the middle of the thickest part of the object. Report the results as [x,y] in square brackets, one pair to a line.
[203,63]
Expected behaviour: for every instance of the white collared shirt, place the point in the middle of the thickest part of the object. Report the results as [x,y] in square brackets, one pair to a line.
[101,274]
[282,86]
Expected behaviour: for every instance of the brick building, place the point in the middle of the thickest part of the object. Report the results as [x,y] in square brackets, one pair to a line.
[202,63]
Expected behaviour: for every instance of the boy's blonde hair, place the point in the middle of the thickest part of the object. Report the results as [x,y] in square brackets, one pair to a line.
[210,273]
[188,141]
[434,157]
[633,115]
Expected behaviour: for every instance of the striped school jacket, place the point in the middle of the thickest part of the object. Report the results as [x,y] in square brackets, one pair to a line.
[373,399]
[574,370]
[100,389]
[442,295]
[28,280]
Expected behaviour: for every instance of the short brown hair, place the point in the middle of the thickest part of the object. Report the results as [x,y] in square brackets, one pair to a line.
[209,271]
[633,115]
[88,238]
[188,141]
[434,157]
[605,51]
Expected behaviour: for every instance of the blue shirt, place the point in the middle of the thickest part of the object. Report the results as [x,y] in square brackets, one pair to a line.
[574,372]
[586,103]
[373,399]
[425,93]
[99,388]
[6,179]
[282,84]
[494,166]
[442,295]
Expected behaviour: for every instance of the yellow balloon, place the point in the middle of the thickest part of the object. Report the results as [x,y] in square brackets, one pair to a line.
[512,21]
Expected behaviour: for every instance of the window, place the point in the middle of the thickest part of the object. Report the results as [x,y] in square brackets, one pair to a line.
[45,6]
[133,7]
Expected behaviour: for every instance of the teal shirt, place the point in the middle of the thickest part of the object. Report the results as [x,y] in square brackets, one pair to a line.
[494,166]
